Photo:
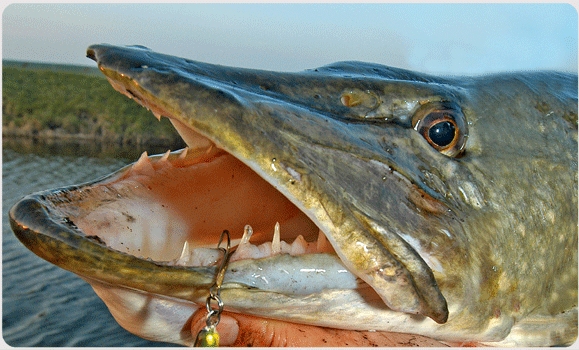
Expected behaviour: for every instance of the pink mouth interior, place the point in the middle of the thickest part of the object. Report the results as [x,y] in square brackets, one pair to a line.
[154,206]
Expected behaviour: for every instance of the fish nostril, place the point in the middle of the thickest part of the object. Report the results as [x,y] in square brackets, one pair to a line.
[364,98]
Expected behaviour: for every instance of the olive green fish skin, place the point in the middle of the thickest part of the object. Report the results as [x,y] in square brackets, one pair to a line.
[483,240]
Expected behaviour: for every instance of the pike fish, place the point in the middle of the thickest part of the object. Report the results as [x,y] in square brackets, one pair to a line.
[358,197]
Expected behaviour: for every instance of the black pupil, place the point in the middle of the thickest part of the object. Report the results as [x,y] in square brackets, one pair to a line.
[442,133]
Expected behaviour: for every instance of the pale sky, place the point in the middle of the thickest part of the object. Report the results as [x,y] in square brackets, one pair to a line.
[443,39]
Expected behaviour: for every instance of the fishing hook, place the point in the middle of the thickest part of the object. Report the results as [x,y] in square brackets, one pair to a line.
[208,336]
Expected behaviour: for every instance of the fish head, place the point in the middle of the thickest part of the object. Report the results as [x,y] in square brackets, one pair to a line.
[398,171]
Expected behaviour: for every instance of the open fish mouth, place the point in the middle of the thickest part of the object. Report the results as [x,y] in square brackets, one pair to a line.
[167,212]
[152,228]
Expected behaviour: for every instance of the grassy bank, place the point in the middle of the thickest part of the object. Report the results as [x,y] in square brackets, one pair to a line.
[62,101]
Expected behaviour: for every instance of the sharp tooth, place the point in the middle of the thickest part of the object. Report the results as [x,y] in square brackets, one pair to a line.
[185,254]
[299,246]
[144,156]
[143,165]
[157,115]
[247,232]
[165,156]
[276,242]
[209,150]
[183,154]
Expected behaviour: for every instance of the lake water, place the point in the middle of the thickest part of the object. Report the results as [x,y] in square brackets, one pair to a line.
[43,305]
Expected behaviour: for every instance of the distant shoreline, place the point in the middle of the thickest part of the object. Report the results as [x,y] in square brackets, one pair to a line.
[58,135]
[66,102]
[82,147]
[55,67]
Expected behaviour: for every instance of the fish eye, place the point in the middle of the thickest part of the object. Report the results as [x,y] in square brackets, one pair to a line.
[441,131]
[443,126]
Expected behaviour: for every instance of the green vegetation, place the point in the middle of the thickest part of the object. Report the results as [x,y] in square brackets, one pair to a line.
[53,101]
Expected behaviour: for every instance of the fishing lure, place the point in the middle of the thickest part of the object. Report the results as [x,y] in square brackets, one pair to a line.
[208,336]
